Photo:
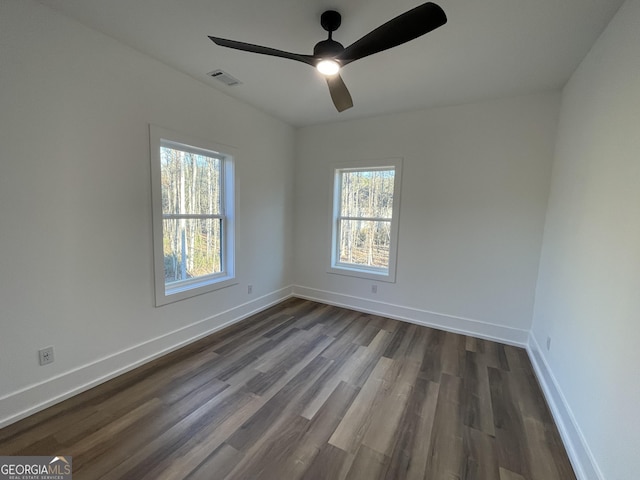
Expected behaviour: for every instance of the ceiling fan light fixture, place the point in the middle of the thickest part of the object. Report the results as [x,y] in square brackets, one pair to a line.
[329,56]
[328,67]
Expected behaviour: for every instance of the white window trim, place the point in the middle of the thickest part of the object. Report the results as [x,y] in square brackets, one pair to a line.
[197,286]
[363,271]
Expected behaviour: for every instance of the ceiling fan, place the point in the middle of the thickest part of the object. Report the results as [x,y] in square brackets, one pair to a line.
[330,56]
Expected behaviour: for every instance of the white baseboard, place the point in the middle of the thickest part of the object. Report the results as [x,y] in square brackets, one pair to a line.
[464,326]
[582,459]
[27,401]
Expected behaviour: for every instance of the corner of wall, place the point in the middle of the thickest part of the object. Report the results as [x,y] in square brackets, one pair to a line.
[582,459]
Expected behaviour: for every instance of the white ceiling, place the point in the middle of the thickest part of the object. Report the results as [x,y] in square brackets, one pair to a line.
[488,48]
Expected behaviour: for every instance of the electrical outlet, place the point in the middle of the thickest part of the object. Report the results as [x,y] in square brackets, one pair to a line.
[46,355]
[249,289]
[548,343]
[374,288]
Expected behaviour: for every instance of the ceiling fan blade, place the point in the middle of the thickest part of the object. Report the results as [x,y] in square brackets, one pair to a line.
[401,29]
[248,47]
[339,93]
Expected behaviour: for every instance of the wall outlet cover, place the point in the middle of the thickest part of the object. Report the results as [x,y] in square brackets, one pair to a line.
[46,356]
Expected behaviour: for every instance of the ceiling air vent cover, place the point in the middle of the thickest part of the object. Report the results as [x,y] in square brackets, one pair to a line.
[225,78]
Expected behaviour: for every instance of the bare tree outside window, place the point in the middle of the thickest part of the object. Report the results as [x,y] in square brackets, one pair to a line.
[193,208]
[366,211]
[192,214]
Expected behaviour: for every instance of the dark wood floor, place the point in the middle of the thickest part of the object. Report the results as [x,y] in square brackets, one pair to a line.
[309,391]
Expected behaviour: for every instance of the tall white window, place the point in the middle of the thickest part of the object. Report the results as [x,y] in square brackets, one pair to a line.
[366,205]
[192,216]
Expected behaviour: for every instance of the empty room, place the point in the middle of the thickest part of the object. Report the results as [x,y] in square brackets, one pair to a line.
[319,240]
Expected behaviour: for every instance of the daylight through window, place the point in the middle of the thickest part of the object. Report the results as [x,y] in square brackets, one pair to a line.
[193,242]
[192,214]
[364,229]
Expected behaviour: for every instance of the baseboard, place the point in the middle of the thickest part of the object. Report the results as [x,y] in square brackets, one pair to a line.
[582,459]
[464,326]
[27,401]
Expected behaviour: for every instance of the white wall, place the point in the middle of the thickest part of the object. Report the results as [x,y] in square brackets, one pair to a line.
[75,219]
[588,292]
[474,193]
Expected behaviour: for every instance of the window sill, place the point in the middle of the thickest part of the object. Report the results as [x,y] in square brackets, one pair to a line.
[182,292]
[364,273]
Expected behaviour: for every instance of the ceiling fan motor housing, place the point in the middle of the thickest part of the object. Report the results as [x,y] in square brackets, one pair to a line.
[327,49]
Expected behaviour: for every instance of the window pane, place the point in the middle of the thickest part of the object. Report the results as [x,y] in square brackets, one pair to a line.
[367,193]
[365,243]
[190,183]
[192,248]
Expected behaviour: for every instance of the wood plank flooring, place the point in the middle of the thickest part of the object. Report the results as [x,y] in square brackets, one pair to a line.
[310,391]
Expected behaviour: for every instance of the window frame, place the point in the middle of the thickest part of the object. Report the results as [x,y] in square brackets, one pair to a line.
[164,294]
[364,271]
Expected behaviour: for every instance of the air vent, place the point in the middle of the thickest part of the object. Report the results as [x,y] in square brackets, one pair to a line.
[225,78]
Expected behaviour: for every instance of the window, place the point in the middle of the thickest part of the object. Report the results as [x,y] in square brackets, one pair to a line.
[193,224]
[366,204]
